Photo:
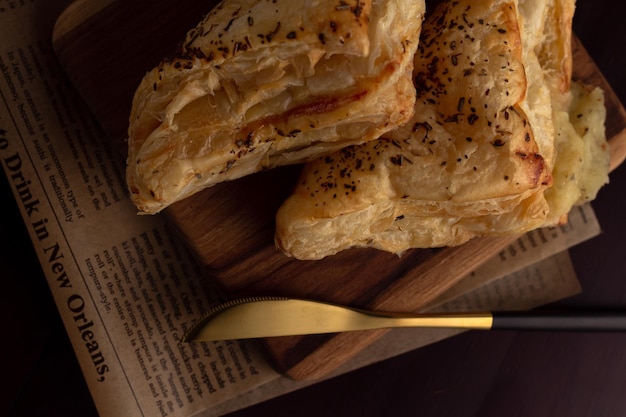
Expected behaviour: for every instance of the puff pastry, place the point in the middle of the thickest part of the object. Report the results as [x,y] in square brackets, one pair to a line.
[493,99]
[259,84]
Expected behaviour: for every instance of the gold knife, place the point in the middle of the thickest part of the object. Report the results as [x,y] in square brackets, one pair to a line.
[260,317]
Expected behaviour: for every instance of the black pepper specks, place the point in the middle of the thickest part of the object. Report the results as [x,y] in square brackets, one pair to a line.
[397,160]
[461,104]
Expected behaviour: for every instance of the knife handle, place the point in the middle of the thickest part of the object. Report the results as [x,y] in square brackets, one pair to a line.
[580,321]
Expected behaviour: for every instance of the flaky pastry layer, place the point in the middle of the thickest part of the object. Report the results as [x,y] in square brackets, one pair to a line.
[484,154]
[260,84]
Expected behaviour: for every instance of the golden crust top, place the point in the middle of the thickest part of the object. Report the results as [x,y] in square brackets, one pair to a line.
[259,84]
[467,164]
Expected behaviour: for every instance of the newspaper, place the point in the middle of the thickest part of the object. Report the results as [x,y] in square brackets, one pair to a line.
[127,289]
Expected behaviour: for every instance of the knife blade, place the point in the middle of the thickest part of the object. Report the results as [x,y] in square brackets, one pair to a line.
[261,317]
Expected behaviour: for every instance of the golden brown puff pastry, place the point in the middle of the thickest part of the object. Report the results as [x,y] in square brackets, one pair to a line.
[570,132]
[468,163]
[259,84]
[546,42]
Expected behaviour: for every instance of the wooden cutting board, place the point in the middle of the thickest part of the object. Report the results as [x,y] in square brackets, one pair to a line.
[106,46]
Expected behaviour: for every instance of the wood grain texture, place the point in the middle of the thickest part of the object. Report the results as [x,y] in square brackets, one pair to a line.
[230,226]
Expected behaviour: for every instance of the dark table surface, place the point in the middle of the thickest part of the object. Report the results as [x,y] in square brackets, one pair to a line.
[474,374]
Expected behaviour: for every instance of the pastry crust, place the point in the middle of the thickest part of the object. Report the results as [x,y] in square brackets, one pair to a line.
[478,155]
[260,84]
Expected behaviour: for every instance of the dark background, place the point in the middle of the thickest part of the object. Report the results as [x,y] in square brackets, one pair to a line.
[474,374]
